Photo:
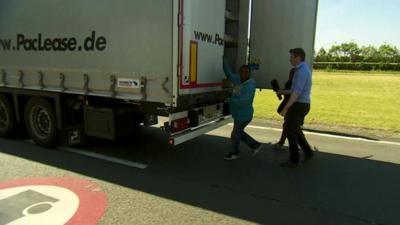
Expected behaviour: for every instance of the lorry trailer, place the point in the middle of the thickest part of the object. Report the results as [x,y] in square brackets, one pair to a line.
[73,69]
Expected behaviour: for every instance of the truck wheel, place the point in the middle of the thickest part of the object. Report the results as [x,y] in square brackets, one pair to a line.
[41,122]
[7,118]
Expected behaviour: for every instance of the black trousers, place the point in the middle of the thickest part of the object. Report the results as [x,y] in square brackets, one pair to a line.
[293,121]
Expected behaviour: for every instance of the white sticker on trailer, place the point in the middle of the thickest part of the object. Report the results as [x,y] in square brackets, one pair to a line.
[128,83]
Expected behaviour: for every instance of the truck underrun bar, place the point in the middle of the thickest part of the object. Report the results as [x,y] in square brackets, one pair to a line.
[198,131]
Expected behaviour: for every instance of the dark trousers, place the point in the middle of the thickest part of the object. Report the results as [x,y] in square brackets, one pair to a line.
[238,135]
[293,121]
[282,140]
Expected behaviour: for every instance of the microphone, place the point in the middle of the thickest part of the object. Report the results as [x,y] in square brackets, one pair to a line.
[276,88]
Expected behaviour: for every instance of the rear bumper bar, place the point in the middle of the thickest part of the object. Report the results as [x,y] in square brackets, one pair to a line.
[198,131]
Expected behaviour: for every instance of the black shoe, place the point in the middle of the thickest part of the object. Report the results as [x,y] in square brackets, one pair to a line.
[289,164]
[232,156]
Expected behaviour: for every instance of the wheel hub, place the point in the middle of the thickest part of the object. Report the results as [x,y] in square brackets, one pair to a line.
[41,122]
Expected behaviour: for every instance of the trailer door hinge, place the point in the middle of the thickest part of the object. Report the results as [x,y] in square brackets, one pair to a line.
[180,19]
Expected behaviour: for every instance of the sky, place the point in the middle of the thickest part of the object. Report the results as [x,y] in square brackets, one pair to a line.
[366,22]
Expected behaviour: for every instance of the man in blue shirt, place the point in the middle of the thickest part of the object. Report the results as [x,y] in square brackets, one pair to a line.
[241,107]
[297,108]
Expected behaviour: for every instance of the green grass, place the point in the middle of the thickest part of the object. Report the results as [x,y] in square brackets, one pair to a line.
[365,100]
[375,72]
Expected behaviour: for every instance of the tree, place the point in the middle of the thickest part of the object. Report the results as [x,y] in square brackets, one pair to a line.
[388,53]
[351,50]
[346,52]
[336,53]
[397,58]
[323,56]
[370,54]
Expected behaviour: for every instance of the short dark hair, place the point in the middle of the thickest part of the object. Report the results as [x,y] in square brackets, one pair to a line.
[298,52]
[245,67]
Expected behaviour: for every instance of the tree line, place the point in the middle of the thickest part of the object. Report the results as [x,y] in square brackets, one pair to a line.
[350,56]
[351,52]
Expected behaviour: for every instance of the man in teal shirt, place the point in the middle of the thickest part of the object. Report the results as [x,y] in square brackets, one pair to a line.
[241,107]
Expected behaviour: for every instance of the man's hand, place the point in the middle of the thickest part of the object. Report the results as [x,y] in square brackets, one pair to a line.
[284,111]
[293,98]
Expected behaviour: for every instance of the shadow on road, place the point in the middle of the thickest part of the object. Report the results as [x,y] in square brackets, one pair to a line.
[330,189]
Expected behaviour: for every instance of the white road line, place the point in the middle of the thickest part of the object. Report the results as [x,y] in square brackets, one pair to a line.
[105,157]
[124,162]
[328,135]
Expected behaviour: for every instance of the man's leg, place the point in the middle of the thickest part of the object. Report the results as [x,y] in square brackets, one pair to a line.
[292,124]
[305,146]
[253,144]
[236,137]
[283,136]
[279,145]
[304,143]
[246,138]
[293,143]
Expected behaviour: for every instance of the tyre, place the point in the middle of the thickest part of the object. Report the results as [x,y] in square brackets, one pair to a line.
[41,122]
[7,117]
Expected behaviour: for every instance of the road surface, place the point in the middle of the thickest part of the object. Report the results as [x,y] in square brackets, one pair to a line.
[350,181]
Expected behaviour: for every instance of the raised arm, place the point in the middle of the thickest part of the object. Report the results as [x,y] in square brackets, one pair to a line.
[234,78]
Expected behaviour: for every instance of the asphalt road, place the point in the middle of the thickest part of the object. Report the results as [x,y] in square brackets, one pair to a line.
[350,181]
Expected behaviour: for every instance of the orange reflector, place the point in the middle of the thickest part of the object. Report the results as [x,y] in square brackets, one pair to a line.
[193,61]
[171,141]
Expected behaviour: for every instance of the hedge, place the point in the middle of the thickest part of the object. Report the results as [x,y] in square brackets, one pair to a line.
[357,66]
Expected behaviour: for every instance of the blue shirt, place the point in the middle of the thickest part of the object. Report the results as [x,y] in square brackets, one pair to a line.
[241,103]
[302,83]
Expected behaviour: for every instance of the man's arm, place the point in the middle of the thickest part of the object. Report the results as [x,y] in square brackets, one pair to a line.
[293,98]
[234,78]
[299,82]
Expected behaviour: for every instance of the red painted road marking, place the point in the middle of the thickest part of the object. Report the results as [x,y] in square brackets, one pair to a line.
[41,199]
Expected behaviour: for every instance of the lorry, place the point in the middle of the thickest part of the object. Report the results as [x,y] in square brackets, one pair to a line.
[76,69]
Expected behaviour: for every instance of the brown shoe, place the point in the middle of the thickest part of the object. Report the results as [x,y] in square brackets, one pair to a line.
[289,164]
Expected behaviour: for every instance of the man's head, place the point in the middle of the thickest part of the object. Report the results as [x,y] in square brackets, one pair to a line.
[297,56]
[244,73]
